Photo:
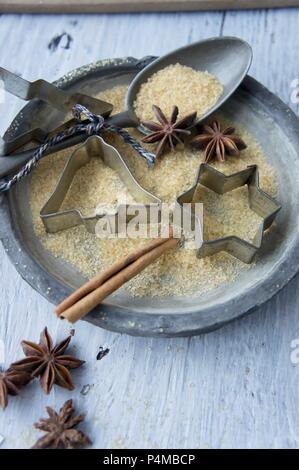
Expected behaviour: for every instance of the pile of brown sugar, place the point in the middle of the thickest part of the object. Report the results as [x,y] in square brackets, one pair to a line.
[178,272]
[189,89]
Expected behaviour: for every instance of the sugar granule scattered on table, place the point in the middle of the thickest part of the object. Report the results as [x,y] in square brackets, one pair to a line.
[189,89]
[178,272]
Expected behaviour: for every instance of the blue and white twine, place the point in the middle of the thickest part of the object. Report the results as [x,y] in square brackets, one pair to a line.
[95,125]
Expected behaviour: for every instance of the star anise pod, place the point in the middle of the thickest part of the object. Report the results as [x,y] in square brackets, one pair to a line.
[218,143]
[10,383]
[48,362]
[167,131]
[60,429]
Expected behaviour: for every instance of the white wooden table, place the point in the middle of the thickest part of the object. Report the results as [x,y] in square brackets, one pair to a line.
[236,387]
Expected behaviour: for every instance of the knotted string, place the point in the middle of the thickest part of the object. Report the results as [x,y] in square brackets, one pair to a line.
[95,126]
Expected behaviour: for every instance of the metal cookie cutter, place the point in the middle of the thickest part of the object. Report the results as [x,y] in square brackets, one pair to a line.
[55,220]
[259,202]
[45,91]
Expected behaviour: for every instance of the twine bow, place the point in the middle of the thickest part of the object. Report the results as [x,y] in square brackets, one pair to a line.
[95,125]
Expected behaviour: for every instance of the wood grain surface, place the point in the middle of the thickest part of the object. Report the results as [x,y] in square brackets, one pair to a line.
[113,6]
[235,387]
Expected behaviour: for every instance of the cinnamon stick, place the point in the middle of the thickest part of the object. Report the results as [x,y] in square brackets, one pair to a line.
[99,279]
[97,289]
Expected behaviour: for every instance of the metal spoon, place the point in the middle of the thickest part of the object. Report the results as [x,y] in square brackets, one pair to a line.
[227,58]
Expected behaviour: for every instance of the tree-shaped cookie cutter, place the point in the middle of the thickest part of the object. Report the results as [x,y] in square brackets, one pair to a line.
[260,202]
[55,219]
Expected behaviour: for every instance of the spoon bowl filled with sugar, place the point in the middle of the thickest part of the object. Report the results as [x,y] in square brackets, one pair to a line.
[199,77]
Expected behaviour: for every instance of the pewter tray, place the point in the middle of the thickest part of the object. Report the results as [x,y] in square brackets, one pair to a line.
[273,124]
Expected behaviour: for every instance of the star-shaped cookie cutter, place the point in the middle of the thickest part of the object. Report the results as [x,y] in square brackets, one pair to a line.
[260,202]
[55,219]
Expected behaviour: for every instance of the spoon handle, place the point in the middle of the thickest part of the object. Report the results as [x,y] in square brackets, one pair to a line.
[124,119]
[11,163]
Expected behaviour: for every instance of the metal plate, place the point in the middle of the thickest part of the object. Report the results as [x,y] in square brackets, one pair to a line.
[272,123]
